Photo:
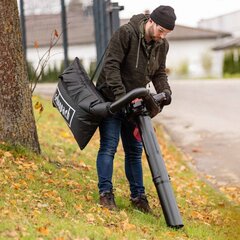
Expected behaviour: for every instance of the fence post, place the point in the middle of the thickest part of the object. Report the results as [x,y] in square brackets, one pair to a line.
[114,16]
[106,21]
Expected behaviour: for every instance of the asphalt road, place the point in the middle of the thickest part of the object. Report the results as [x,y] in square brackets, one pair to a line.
[204,121]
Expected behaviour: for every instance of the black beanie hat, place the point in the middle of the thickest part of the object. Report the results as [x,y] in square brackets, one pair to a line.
[164,16]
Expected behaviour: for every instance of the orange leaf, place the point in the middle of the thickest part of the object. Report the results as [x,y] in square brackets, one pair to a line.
[90,218]
[7,154]
[127,226]
[56,33]
[36,45]
[37,105]
[41,109]
[43,230]
[79,208]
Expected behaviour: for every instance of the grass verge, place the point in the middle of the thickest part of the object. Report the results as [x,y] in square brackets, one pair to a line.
[55,196]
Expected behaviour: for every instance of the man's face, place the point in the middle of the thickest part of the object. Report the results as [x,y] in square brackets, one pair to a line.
[157,32]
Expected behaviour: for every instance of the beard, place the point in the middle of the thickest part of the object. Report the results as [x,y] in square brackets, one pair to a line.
[152,35]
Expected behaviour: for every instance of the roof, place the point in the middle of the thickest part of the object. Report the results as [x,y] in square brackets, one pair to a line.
[40,27]
[190,33]
[81,29]
[233,43]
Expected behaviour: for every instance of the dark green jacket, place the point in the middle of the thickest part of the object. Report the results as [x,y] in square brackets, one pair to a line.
[128,64]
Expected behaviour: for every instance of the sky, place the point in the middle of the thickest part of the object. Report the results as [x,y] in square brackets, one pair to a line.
[188,12]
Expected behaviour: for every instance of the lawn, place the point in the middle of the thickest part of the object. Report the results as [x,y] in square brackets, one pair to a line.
[55,195]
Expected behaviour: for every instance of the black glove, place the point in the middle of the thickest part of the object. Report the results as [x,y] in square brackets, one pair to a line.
[167,100]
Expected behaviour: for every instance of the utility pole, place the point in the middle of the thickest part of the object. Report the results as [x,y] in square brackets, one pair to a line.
[23,28]
[64,30]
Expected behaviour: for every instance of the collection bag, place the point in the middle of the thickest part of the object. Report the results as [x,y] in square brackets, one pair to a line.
[79,103]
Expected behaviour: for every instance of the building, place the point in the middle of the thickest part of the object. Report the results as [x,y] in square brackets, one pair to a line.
[227,22]
[191,51]
[228,47]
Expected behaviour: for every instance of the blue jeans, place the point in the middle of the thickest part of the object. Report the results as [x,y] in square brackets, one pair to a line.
[110,130]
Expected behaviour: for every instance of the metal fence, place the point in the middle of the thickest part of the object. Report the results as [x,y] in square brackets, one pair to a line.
[80,28]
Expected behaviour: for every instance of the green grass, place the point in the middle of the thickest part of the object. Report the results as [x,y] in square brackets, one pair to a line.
[232,76]
[55,195]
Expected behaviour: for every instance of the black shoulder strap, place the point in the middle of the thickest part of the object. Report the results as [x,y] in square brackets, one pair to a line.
[98,66]
[130,27]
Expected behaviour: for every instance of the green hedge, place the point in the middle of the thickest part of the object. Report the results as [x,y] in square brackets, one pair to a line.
[231,64]
[51,73]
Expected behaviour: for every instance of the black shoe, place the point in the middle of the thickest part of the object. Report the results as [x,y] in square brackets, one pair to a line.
[107,200]
[141,203]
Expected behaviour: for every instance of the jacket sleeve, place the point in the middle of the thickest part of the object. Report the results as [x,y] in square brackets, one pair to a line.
[160,78]
[117,50]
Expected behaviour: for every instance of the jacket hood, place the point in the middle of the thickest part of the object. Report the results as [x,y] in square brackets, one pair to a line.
[136,21]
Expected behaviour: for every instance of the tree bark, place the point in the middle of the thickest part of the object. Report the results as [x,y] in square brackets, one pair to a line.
[17,123]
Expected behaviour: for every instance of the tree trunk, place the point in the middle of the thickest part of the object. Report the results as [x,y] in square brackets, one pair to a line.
[17,123]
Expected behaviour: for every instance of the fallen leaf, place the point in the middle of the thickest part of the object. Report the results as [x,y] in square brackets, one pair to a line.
[196,150]
[11,234]
[43,230]
[90,218]
[127,226]
[37,105]
[7,154]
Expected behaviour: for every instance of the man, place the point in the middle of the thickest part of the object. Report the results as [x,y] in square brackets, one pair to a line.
[135,56]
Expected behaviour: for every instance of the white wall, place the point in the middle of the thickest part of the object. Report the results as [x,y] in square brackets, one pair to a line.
[192,52]
[179,51]
[86,52]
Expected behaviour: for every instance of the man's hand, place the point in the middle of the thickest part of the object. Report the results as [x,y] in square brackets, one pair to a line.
[167,100]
